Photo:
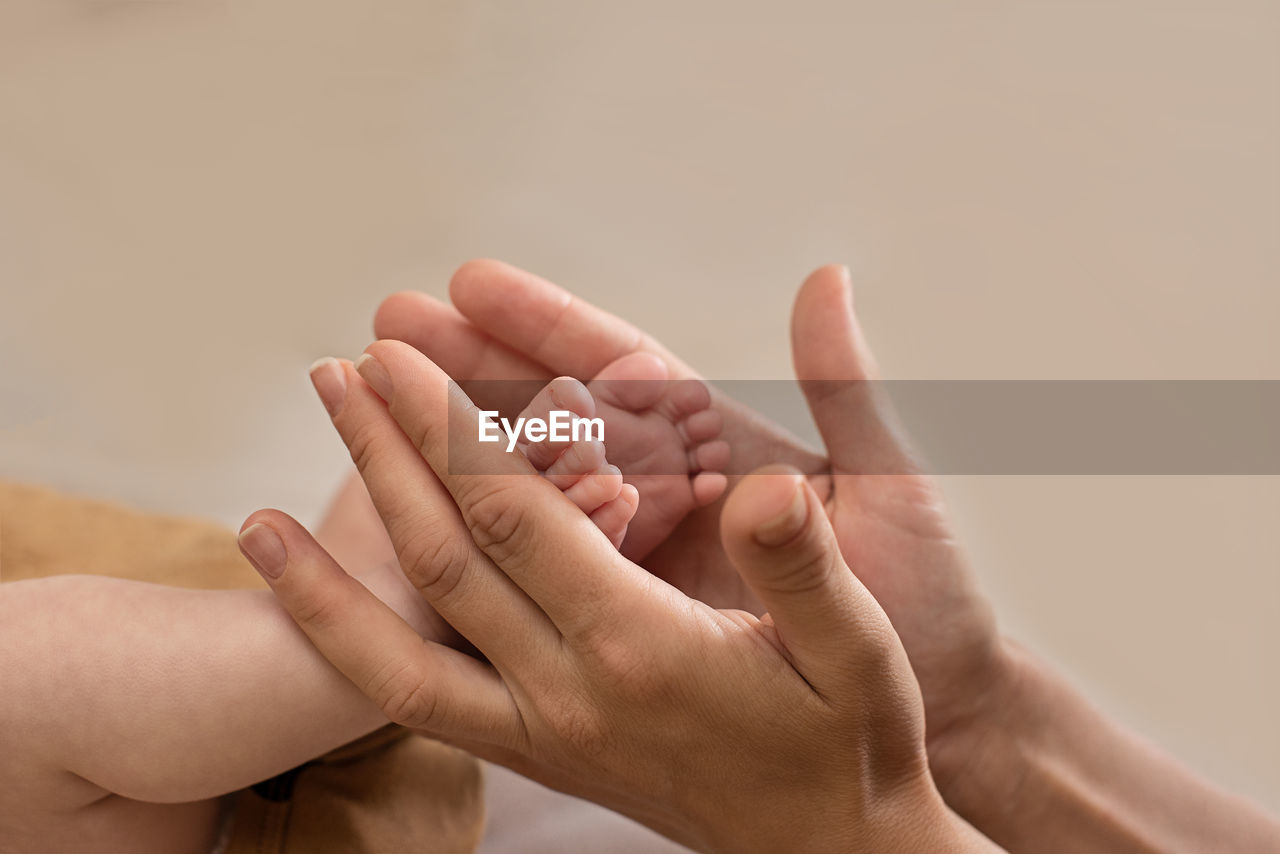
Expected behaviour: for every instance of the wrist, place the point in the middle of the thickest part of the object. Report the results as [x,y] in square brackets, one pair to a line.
[908,817]
[980,763]
[1041,769]
[921,823]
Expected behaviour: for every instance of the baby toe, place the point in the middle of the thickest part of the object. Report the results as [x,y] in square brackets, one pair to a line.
[711,456]
[702,426]
[634,382]
[613,517]
[561,394]
[579,459]
[686,397]
[708,486]
[596,489]
[568,394]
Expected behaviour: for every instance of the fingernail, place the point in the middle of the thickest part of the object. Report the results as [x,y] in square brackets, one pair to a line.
[375,375]
[784,527]
[847,278]
[330,381]
[264,549]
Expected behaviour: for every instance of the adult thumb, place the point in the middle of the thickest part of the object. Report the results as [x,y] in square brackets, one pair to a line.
[838,374]
[776,533]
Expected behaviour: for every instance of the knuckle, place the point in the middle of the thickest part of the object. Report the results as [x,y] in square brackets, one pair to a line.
[435,564]
[497,518]
[400,690]
[807,572]
[317,609]
[362,442]
[877,659]
[630,670]
[422,434]
[578,726]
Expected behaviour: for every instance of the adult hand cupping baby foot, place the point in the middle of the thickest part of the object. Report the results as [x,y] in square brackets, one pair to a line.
[798,731]
[510,324]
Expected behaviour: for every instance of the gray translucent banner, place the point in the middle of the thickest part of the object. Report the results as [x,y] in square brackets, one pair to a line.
[1059,427]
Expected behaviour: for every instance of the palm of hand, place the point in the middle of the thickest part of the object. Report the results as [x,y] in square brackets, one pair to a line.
[890,528]
[893,533]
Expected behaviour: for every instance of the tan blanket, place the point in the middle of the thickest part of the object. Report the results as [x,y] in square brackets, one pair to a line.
[388,792]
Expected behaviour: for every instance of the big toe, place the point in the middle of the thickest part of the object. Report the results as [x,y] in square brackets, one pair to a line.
[634,382]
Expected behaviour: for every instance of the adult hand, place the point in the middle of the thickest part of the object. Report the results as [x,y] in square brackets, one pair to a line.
[888,518]
[801,730]
[1012,746]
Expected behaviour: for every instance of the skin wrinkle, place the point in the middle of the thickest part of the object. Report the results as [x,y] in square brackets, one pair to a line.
[894,527]
[566,733]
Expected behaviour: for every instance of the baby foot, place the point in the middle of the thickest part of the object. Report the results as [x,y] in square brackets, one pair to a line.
[664,436]
[580,469]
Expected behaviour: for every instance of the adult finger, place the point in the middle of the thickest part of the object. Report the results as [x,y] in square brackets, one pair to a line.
[546,323]
[522,522]
[566,335]
[430,537]
[840,381]
[491,373]
[416,683]
[775,532]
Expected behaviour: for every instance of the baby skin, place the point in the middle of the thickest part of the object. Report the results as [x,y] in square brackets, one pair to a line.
[665,454]
[129,710]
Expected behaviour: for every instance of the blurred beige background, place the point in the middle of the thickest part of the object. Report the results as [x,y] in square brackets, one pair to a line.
[198,198]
